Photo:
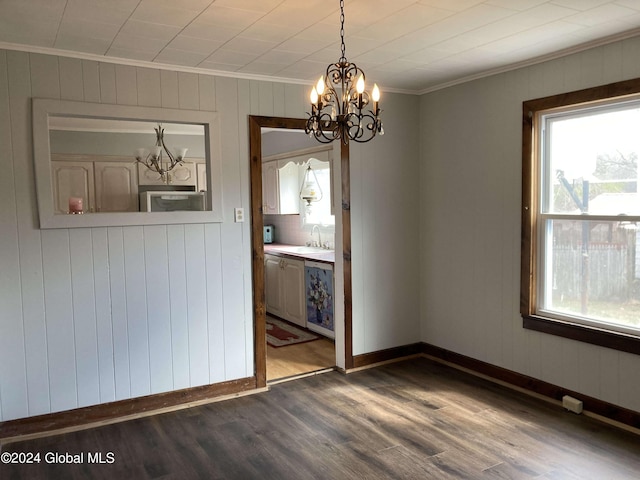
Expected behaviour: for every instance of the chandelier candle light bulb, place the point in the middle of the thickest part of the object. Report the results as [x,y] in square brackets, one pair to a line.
[320,85]
[375,96]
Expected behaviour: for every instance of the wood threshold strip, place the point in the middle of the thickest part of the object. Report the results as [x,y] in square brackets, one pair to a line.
[509,378]
[50,423]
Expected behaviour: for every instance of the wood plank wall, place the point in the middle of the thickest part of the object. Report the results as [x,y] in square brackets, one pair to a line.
[103,314]
[96,315]
[470,225]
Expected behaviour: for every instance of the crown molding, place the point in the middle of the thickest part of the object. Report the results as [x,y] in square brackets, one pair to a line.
[165,66]
[635,32]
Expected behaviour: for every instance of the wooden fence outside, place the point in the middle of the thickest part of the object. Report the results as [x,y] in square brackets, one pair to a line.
[609,268]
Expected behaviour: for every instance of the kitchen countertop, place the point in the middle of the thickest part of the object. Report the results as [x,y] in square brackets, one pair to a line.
[300,251]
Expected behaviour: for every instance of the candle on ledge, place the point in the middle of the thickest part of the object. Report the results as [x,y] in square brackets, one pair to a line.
[75,205]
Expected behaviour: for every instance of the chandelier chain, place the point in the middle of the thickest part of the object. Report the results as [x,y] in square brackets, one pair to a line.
[344,57]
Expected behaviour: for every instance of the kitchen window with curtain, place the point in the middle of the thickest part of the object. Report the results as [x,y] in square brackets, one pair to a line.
[581,215]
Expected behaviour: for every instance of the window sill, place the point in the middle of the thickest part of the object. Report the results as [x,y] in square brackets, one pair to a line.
[582,333]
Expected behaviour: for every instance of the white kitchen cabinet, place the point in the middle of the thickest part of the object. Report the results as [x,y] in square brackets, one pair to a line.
[270,204]
[280,187]
[273,294]
[288,187]
[201,176]
[116,187]
[104,186]
[284,288]
[184,174]
[293,303]
[72,179]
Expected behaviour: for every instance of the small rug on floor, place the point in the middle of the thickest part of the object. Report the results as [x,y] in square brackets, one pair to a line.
[281,334]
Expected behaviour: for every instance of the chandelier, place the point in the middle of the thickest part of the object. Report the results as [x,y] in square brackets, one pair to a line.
[153,158]
[340,114]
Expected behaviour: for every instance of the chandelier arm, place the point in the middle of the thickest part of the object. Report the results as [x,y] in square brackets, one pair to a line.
[336,76]
[322,138]
[361,101]
[152,163]
[172,161]
[160,142]
[362,127]
[314,128]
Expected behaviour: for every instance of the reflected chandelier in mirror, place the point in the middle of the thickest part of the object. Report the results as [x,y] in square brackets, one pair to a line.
[152,159]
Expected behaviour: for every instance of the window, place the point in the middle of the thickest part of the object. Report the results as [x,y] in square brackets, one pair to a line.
[581,215]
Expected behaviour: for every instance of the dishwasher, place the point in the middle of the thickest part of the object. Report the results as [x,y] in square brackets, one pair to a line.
[319,297]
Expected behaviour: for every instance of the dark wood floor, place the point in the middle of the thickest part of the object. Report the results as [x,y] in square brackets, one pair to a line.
[412,420]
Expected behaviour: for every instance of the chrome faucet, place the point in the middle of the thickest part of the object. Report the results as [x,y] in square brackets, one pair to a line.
[313,229]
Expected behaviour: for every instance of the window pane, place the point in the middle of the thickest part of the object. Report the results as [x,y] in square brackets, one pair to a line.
[591,270]
[591,162]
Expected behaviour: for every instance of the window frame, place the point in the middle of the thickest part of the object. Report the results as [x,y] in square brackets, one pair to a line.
[532,221]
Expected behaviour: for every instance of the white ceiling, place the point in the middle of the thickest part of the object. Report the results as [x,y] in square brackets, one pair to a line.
[403,45]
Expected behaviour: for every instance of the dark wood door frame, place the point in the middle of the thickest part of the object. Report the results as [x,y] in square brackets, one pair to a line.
[257,245]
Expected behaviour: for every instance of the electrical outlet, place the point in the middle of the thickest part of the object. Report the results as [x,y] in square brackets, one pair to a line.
[238,214]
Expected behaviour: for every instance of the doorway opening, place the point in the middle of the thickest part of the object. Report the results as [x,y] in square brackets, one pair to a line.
[276,362]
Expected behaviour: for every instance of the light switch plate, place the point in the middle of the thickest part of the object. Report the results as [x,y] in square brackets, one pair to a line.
[238,214]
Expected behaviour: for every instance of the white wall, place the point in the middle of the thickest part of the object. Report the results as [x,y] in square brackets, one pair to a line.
[276,142]
[95,315]
[470,177]
[384,217]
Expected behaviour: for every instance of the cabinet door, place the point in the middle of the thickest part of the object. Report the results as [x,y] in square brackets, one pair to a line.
[181,175]
[272,279]
[288,187]
[293,302]
[201,174]
[270,188]
[72,179]
[116,187]
[184,175]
